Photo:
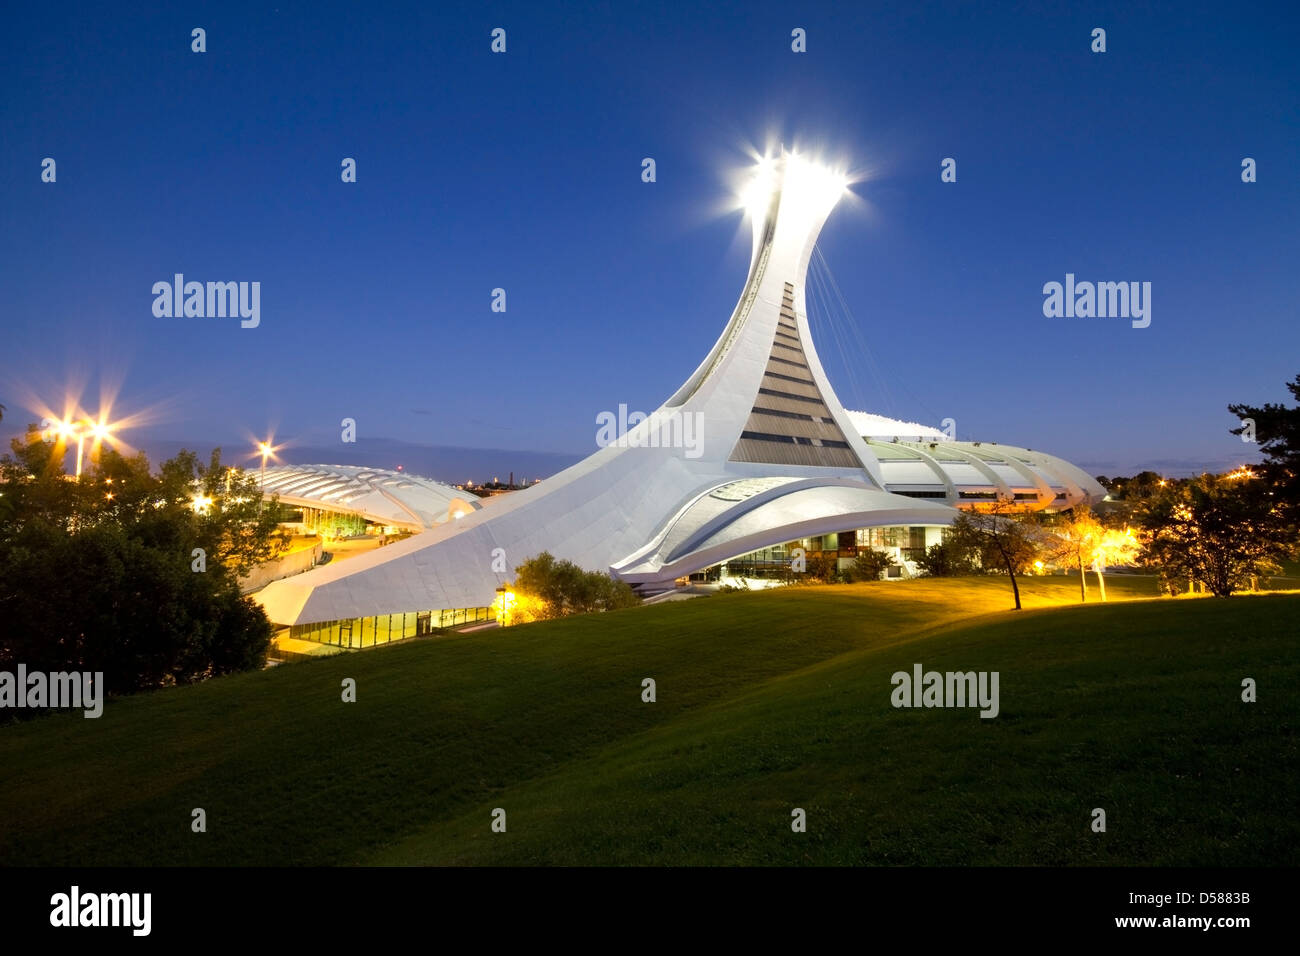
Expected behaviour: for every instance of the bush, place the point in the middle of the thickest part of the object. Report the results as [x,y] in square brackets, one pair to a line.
[822,567]
[99,600]
[947,559]
[548,588]
[96,573]
[869,565]
[743,585]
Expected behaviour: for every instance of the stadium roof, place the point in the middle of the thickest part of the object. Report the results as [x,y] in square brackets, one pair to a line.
[376,494]
[869,425]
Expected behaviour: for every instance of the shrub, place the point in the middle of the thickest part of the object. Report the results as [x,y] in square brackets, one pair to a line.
[550,588]
[947,559]
[869,565]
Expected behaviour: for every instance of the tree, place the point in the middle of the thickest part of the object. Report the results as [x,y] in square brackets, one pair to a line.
[869,565]
[1141,486]
[998,537]
[1277,429]
[548,588]
[186,505]
[100,600]
[1116,546]
[100,572]
[1081,539]
[948,558]
[1073,539]
[1224,531]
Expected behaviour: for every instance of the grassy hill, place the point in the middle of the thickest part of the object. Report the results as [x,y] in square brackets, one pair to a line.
[766,702]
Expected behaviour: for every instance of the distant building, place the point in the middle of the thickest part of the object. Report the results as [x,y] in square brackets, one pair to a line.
[327,498]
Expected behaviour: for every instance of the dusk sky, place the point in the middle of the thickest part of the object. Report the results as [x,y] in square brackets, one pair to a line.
[522,171]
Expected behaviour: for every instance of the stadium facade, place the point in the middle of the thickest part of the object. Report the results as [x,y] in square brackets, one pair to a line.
[389,501]
[752,453]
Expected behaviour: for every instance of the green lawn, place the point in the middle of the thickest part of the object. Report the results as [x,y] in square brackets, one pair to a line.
[766,702]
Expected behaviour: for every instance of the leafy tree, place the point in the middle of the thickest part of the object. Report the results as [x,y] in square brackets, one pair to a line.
[100,600]
[999,538]
[546,587]
[1277,429]
[1140,487]
[1072,539]
[948,558]
[1117,546]
[186,505]
[1222,531]
[98,573]
[1083,540]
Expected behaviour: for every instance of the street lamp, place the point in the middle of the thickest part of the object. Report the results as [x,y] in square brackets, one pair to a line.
[505,604]
[266,450]
[81,430]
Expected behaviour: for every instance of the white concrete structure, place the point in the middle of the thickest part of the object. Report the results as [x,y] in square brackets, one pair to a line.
[752,451]
[378,495]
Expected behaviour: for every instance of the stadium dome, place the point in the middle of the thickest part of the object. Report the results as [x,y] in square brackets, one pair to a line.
[376,494]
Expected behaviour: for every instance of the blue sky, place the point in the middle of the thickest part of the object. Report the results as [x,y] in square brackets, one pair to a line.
[522,171]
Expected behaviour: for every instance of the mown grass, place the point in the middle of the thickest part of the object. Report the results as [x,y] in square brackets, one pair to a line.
[766,702]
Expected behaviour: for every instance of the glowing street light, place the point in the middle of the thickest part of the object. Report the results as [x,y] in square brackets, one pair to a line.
[81,430]
[504,605]
[266,450]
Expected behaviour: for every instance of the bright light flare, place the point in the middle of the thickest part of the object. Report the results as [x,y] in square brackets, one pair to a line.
[796,175]
[74,427]
[756,194]
[266,450]
[504,605]
[1116,547]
